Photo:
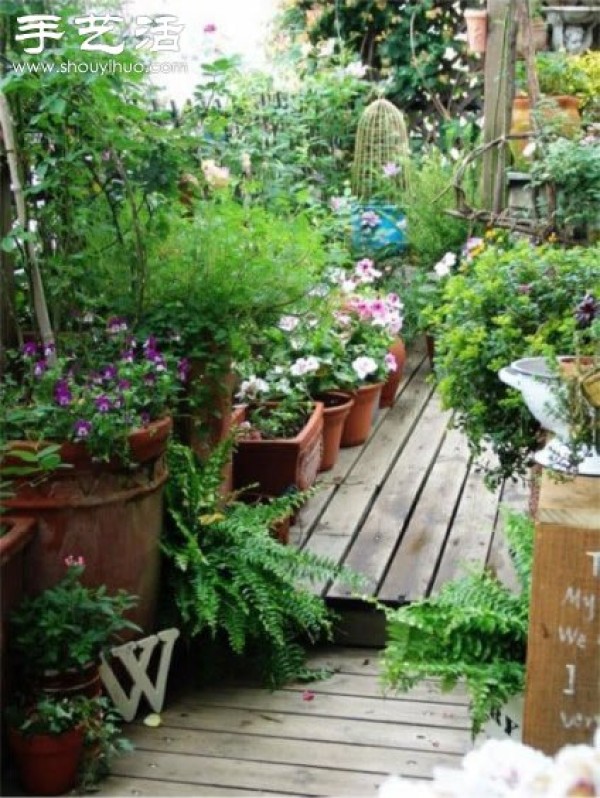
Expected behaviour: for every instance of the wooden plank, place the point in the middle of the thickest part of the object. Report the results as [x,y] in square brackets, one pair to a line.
[125,785]
[372,687]
[310,514]
[573,502]
[374,545]
[471,535]
[515,496]
[288,751]
[349,506]
[412,570]
[385,710]
[237,773]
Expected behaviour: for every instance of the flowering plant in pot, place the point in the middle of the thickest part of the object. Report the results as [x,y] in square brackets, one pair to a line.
[108,386]
[57,636]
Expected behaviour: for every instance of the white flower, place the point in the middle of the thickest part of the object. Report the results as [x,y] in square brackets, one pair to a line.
[449,54]
[215,176]
[326,48]
[304,365]
[444,266]
[363,366]
[356,69]
[529,149]
[252,387]
[348,286]
[288,323]
[246,163]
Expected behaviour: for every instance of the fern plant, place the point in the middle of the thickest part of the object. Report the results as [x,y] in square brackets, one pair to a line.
[226,573]
[475,629]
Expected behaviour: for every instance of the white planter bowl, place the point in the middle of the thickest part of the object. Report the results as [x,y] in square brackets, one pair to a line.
[539,387]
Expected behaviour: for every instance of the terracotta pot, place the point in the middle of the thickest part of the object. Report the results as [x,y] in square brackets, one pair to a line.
[17,534]
[337,405]
[47,763]
[236,417]
[359,420]
[275,466]
[205,426]
[280,530]
[565,114]
[539,38]
[70,683]
[390,386]
[109,514]
[476,20]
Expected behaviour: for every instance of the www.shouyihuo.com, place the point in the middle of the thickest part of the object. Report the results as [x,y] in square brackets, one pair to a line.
[111,67]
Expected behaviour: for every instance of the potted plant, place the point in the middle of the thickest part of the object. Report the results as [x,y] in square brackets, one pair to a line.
[60,743]
[107,407]
[476,20]
[57,636]
[510,302]
[46,737]
[279,442]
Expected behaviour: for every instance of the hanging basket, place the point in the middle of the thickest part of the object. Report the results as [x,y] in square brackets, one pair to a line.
[477,20]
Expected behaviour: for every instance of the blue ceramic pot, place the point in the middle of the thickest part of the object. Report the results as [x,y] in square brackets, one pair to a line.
[378,226]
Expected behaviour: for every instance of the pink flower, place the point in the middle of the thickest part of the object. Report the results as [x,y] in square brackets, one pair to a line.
[391,363]
[210,28]
[71,561]
[391,169]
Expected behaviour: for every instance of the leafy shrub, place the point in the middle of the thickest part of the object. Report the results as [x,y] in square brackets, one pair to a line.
[509,303]
[475,629]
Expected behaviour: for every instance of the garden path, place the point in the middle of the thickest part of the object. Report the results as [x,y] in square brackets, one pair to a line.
[408,510]
[342,738]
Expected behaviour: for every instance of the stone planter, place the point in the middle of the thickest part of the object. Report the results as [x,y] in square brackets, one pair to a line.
[274,466]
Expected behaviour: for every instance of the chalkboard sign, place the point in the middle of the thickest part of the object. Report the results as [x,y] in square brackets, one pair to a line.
[562,699]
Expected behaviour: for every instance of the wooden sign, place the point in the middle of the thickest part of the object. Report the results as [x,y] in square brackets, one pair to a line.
[562,699]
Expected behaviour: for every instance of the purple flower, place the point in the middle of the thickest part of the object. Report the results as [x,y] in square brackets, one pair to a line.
[49,348]
[30,349]
[160,364]
[82,428]
[62,393]
[150,378]
[183,369]
[102,403]
[149,344]
[123,385]
[524,288]
[39,368]
[145,418]
[109,372]
[115,325]
[127,356]
[118,403]
[369,219]
[210,28]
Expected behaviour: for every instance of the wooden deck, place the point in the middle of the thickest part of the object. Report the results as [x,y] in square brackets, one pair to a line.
[344,741]
[408,510]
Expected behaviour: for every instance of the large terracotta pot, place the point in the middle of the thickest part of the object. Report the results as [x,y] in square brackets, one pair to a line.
[47,763]
[359,420]
[476,21]
[106,512]
[390,386]
[72,682]
[337,405]
[274,466]
[564,113]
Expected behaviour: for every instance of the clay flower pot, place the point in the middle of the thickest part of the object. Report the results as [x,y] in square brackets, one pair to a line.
[108,513]
[390,386]
[274,466]
[337,405]
[359,420]
[47,763]
[476,20]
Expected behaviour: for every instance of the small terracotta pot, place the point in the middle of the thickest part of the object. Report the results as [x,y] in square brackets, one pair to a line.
[476,20]
[47,763]
[390,386]
[360,418]
[337,405]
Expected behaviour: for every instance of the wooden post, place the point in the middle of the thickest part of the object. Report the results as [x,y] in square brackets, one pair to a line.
[498,89]
[562,697]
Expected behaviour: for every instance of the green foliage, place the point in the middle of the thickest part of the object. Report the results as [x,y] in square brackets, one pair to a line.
[226,574]
[284,419]
[474,629]
[68,625]
[510,302]
[48,715]
[411,44]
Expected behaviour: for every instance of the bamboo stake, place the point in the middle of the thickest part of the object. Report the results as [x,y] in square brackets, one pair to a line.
[37,286]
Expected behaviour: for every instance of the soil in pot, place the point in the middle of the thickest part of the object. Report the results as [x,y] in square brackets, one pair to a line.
[336,407]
